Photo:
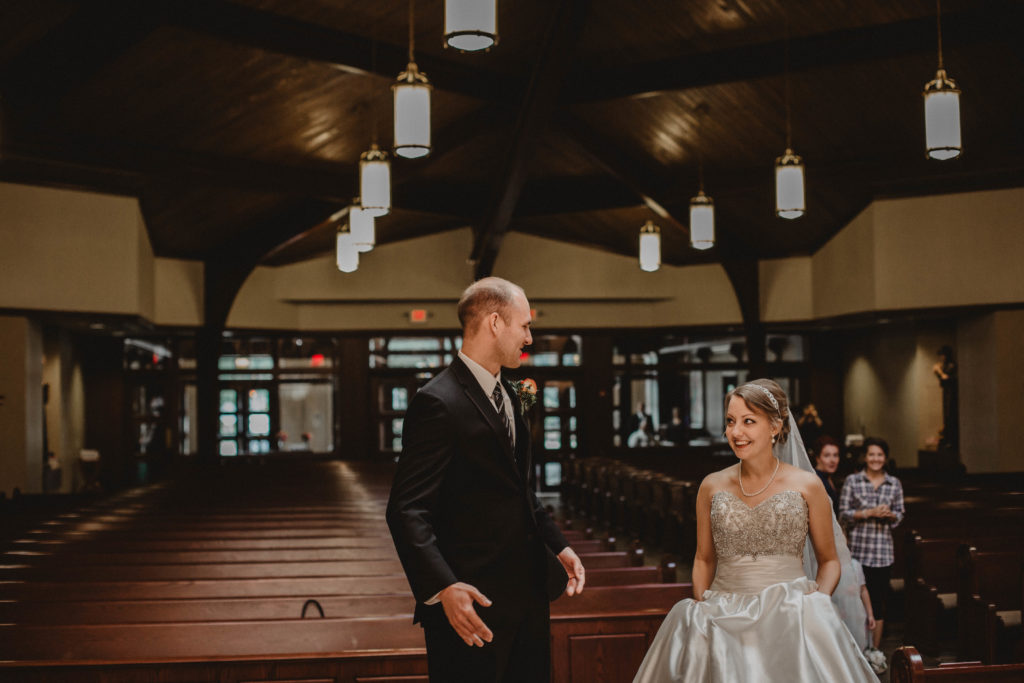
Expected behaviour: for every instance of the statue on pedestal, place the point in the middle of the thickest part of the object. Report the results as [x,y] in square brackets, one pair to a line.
[945,369]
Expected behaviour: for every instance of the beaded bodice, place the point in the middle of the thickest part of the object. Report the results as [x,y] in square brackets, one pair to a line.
[775,526]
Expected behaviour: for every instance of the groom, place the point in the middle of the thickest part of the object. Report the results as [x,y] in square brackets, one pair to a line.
[481,554]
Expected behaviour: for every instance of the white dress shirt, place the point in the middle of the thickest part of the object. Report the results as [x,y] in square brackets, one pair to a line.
[487,382]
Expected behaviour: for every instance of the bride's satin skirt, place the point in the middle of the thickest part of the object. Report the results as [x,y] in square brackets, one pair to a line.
[785,632]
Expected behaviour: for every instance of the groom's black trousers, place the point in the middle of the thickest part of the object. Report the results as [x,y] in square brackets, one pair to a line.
[519,653]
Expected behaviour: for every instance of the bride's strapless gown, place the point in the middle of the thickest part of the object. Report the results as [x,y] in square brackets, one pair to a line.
[762,619]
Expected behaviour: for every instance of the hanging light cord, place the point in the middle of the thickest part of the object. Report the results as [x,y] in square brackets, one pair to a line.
[938,24]
[787,95]
[412,31]
[373,73]
[701,110]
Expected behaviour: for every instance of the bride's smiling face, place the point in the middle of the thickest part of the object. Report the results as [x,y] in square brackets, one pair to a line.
[749,432]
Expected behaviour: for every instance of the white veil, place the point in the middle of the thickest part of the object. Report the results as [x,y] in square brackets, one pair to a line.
[846,596]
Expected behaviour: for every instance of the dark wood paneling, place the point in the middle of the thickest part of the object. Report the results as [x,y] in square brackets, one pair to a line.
[106,405]
[356,431]
[612,658]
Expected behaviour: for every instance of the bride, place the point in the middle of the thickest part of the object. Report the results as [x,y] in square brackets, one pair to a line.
[756,615]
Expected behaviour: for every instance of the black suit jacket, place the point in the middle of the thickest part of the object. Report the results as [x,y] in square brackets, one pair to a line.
[461,508]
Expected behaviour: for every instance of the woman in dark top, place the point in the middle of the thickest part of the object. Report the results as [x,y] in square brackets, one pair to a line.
[826,460]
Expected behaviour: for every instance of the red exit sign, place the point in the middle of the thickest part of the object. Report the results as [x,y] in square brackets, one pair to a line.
[418,315]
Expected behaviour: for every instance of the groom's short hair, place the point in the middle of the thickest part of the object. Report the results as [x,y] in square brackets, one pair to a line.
[485,296]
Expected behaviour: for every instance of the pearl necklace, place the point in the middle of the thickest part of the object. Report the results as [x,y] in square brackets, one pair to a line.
[763,488]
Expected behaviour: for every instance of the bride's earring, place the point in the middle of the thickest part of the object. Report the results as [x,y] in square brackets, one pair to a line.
[775,437]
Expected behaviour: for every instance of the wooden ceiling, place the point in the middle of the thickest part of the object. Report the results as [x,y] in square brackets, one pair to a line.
[225,117]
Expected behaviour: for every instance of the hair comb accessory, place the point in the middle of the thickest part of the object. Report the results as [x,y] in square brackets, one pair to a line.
[771,397]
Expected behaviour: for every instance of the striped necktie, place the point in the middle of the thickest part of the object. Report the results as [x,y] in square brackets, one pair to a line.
[499,405]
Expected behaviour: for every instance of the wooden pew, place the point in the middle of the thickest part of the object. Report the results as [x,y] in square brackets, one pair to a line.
[931,591]
[208,571]
[907,666]
[934,585]
[125,556]
[612,626]
[625,576]
[611,560]
[301,587]
[84,611]
[991,605]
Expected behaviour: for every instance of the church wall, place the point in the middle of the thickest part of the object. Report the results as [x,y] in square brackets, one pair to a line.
[991,391]
[257,305]
[65,411]
[787,287]
[178,292]
[978,387]
[68,250]
[422,268]
[1010,388]
[570,286]
[21,410]
[843,271]
[889,389]
[949,250]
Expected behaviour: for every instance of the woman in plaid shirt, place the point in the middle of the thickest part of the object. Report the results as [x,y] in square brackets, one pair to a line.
[870,505]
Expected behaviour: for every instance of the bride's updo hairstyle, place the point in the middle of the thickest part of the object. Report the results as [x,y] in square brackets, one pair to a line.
[768,398]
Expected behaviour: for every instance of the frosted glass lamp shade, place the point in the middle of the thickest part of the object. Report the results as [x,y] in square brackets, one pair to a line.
[702,221]
[650,247]
[412,113]
[470,25]
[347,254]
[942,117]
[363,228]
[375,181]
[789,186]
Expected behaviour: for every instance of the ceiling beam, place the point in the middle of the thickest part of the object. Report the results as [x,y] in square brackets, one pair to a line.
[574,194]
[549,70]
[637,175]
[69,158]
[985,22]
[284,35]
[35,80]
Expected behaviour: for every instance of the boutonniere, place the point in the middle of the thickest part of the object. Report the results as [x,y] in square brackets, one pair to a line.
[526,391]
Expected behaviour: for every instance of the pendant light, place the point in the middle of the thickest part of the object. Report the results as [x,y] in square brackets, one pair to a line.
[702,221]
[362,227]
[470,25]
[412,105]
[374,165]
[789,168]
[346,252]
[650,247]
[702,207]
[375,181]
[941,108]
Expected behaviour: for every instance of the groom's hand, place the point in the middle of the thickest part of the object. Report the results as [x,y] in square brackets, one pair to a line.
[457,600]
[574,568]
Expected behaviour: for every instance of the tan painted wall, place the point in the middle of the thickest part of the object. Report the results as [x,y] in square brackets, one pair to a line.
[991,391]
[65,412]
[178,286]
[949,250]
[787,289]
[21,415]
[65,250]
[78,251]
[257,305]
[924,252]
[433,267]
[889,389]
[558,278]
[844,270]
[979,380]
